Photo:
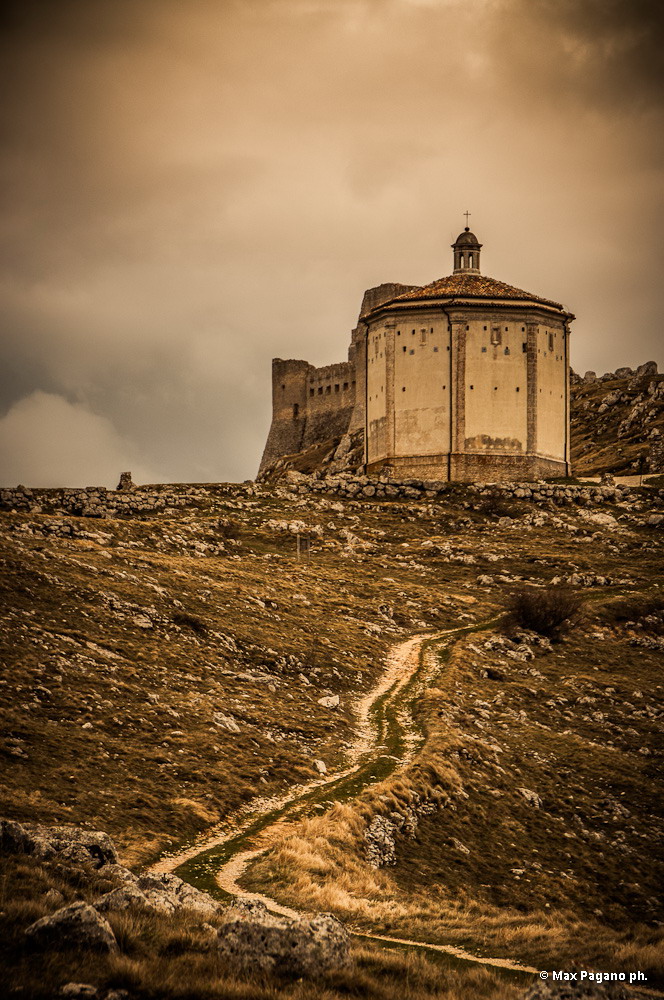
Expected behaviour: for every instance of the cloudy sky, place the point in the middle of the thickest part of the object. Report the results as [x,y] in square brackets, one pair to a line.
[192,188]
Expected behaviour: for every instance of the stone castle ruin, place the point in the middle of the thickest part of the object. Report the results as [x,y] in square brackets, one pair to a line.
[466,378]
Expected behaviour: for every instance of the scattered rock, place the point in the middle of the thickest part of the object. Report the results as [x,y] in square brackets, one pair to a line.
[532,798]
[329,701]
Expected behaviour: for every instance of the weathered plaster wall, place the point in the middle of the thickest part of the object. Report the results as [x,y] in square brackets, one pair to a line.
[552,373]
[496,390]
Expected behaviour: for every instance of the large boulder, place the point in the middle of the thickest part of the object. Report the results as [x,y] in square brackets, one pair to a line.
[169,893]
[122,898]
[67,843]
[78,925]
[251,938]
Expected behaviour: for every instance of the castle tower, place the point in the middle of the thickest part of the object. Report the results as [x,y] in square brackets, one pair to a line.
[466,253]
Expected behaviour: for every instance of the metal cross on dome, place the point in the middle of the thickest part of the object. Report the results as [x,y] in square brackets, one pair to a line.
[467,214]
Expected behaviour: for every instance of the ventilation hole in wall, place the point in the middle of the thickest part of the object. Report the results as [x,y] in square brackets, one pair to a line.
[296,410]
[405,349]
[398,333]
[444,387]
[283,388]
[345,386]
[311,392]
[320,390]
[431,331]
[485,328]
[524,348]
[472,387]
[448,347]
[403,388]
[467,328]
[328,390]
[523,329]
[336,388]
[507,350]
[495,387]
[517,388]
[506,329]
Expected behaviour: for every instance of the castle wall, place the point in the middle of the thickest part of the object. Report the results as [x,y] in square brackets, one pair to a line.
[309,406]
[289,407]
[329,403]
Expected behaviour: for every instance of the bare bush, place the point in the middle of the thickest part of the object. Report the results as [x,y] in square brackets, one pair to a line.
[549,611]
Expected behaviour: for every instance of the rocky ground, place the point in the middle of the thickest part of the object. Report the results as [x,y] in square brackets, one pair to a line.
[618,422]
[169,658]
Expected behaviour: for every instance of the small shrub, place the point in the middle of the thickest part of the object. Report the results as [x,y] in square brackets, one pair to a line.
[647,612]
[494,505]
[197,625]
[549,611]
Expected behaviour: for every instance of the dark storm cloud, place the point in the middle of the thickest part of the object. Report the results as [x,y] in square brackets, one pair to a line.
[191,189]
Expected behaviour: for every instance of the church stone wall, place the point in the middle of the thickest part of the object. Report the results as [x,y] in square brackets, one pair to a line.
[552,390]
[496,397]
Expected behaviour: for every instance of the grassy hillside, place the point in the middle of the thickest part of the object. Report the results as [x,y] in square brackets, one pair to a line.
[163,671]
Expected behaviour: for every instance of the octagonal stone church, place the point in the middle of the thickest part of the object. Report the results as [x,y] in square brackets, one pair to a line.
[466,378]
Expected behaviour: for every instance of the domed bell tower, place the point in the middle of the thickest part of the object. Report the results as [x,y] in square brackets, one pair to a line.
[466,253]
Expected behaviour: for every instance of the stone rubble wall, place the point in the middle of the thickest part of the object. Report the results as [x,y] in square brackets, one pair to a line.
[97,501]
[362,487]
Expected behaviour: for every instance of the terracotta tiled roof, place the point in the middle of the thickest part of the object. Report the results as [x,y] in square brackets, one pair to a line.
[469,286]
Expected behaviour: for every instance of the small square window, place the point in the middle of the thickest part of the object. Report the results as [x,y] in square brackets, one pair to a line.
[405,349]
[472,386]
[345,386]
[435,350]
[411,352]
[311,392]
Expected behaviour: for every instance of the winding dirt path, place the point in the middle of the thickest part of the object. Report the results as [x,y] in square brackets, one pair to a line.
[403,662]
